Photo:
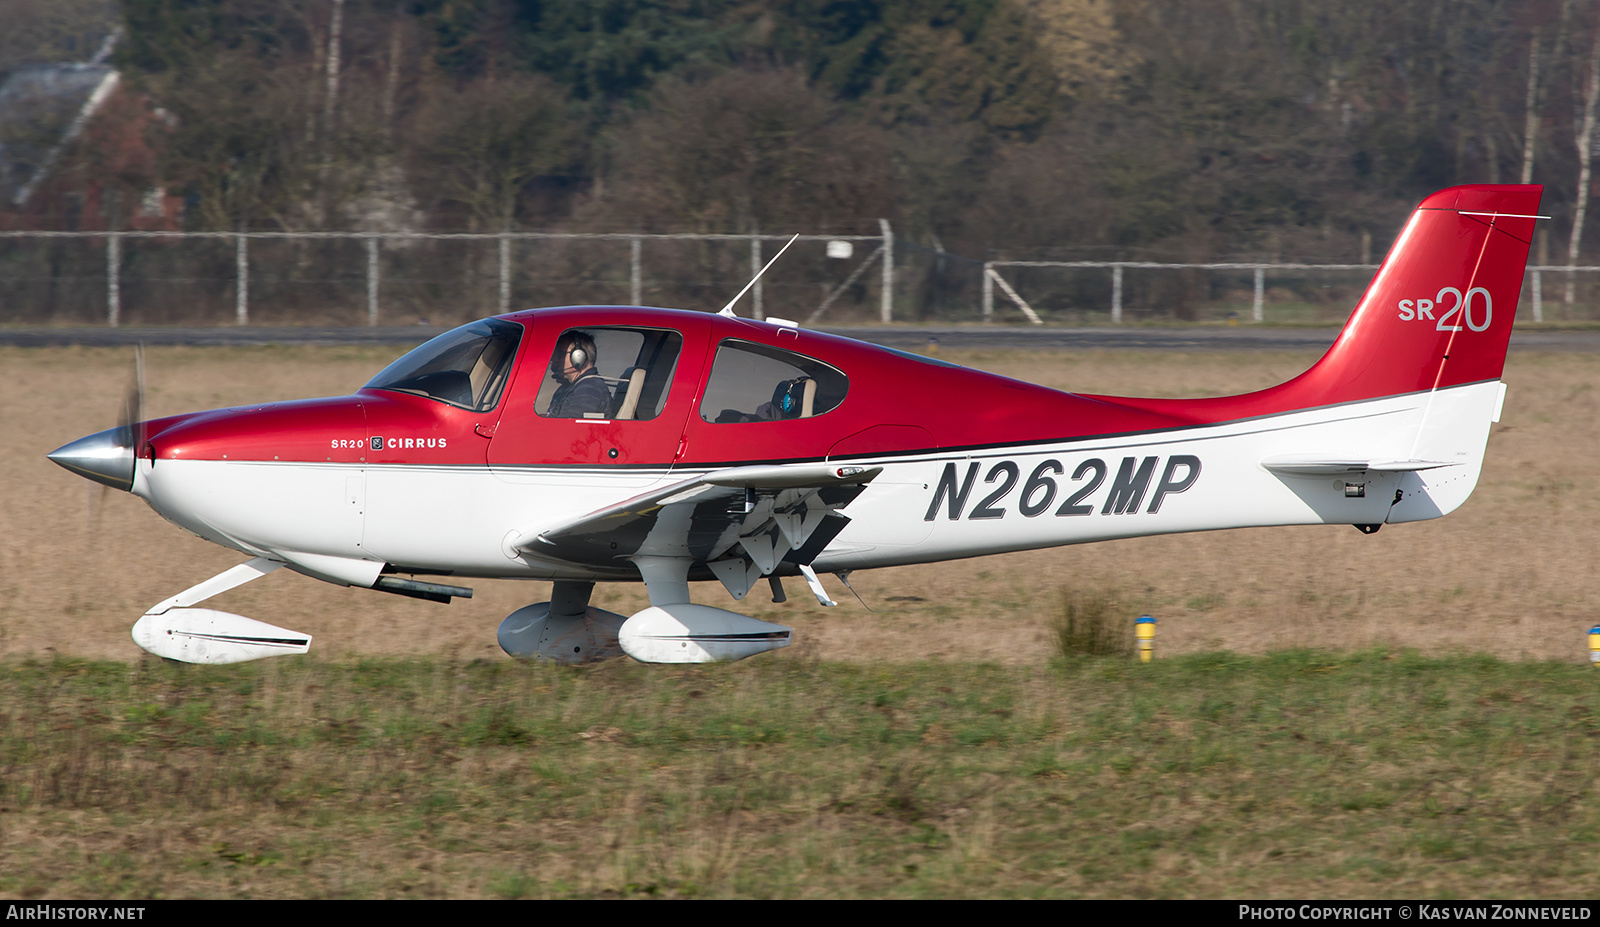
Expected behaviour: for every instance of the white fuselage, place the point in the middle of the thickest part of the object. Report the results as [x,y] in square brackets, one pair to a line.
[345,521]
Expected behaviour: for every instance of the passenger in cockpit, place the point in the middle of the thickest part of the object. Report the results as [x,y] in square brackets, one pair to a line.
[790,399]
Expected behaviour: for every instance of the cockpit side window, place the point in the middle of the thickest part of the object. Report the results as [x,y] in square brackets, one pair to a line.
[621,374]
[466,367]
[752,382]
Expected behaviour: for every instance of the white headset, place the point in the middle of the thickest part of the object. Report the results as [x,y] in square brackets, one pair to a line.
[576,354]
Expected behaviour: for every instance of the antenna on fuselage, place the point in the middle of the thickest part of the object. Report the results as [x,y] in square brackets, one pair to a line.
[728,309]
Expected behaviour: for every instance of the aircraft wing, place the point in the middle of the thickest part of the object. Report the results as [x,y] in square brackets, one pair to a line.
[740,522]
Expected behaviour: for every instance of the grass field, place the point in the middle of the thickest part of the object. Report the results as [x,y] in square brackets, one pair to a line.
[1365,775]
[1332,714]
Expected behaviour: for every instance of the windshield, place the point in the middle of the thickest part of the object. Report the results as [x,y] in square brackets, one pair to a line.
[466,367]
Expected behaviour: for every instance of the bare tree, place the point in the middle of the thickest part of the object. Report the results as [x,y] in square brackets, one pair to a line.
[1585,143]
[1530,129]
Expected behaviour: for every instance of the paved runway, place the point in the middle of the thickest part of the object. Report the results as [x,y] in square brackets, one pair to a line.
[1140,338]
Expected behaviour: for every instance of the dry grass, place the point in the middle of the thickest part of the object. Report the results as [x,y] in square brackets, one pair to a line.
[1509,574]
[1093,623]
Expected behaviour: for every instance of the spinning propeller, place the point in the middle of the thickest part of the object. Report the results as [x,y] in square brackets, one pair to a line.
[130,418]
[107,456]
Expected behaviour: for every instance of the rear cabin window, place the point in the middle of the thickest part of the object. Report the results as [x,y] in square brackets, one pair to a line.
[620,374]
[752,382]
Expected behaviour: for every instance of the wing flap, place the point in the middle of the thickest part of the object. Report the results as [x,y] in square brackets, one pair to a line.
[754,515]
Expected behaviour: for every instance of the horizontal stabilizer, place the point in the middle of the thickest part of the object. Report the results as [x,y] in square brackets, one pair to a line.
[1310,466]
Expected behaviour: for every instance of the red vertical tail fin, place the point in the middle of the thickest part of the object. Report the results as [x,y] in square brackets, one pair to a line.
[1437,314]
[1439,311]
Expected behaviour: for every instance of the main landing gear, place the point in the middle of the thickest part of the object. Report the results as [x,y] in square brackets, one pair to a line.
[568,629]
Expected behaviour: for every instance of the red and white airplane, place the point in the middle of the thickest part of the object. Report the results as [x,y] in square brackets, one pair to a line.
[692,446]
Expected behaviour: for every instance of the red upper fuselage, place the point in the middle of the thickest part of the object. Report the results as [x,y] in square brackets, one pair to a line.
[895,402]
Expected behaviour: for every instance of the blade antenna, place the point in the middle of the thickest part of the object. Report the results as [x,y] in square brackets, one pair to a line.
[728,309]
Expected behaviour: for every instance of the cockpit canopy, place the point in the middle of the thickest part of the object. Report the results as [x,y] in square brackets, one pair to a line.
[466,367]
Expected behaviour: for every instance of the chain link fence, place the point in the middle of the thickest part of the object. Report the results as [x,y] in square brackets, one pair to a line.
[335,278]
[353,279]
[1088,292]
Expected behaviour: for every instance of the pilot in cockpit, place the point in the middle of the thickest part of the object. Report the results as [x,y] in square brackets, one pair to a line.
[583,392]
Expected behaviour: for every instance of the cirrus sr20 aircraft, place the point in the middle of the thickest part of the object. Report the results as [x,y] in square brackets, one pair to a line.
[713,448]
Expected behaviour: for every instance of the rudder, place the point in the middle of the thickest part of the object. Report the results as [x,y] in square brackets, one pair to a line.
[1439,311]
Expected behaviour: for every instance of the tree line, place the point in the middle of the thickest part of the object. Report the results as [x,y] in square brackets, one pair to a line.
[1152,129]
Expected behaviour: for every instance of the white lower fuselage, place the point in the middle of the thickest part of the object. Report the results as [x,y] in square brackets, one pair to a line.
[939,505]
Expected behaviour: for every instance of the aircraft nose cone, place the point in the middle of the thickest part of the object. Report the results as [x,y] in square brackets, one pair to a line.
[106,457]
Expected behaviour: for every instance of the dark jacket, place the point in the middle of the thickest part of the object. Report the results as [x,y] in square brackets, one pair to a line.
[574,400]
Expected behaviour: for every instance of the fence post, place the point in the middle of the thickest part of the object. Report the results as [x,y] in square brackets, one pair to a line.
[756,310]
[505,274]
[886,314]
[636,293]
[241,288]
[372,281]
[1116,294]
[114,279]
[988,290]
[1538,296]
[1016,297]
[1255,306]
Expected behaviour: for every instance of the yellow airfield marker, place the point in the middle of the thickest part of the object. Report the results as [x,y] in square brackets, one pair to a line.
[1145,630]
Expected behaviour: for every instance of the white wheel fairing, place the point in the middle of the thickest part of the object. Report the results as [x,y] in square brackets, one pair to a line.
[204,635]
[416,516]
[686,633]
[531,632]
